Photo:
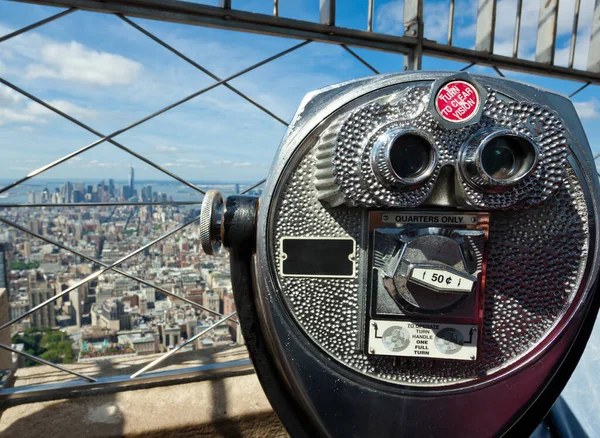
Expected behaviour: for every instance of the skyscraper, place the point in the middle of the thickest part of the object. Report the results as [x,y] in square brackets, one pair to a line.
[3,268]
[131,181]
[45,316]
[111,187]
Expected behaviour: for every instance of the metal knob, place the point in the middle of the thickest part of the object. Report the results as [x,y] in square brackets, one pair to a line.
[211,235]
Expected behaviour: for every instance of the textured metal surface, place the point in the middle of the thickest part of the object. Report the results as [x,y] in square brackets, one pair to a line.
[534,262]
[210,237]
[346,157]
[329,388]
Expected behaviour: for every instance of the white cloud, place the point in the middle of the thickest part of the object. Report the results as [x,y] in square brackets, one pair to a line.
[64,106]
[96,163]
[437,25]
[72,109]
[93,164]
[165,148]
[13,115]
[9,97]
[589,109]
[185,163]
[34,55]
[389,18]
[234,163]
[20,111]
[74,62]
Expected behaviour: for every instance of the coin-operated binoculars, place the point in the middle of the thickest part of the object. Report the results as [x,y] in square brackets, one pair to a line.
[423,260]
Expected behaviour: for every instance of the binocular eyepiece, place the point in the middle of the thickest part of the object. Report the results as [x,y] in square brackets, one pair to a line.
[423,261]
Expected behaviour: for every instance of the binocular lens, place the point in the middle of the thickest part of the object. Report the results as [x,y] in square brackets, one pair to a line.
[507,157]
[410,156]
[498,158]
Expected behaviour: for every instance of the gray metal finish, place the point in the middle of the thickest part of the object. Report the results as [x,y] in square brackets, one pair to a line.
[327,12]
[513,256]
[470,157]
[594,51]
[451,21]
[574,35]
[517,29]
[486,26]
[210,222]
[421,250]
[413,27]
[348,146]
[356,139]
[546,35]
[381,162]
[342,296]
[305,348]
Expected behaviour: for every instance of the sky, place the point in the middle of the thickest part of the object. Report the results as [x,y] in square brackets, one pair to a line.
[102,71]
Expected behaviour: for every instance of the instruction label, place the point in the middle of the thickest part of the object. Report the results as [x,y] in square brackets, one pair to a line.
[430,218]
[423,339]
[457,101]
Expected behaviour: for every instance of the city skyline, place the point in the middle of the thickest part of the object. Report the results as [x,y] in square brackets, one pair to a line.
[114,315]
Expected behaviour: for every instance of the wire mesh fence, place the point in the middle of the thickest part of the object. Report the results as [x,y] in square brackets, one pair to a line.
[103,273]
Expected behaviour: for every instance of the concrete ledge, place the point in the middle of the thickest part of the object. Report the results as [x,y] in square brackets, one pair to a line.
[232,407]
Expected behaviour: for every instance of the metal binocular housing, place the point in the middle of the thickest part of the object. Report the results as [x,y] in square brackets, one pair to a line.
[423,261]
